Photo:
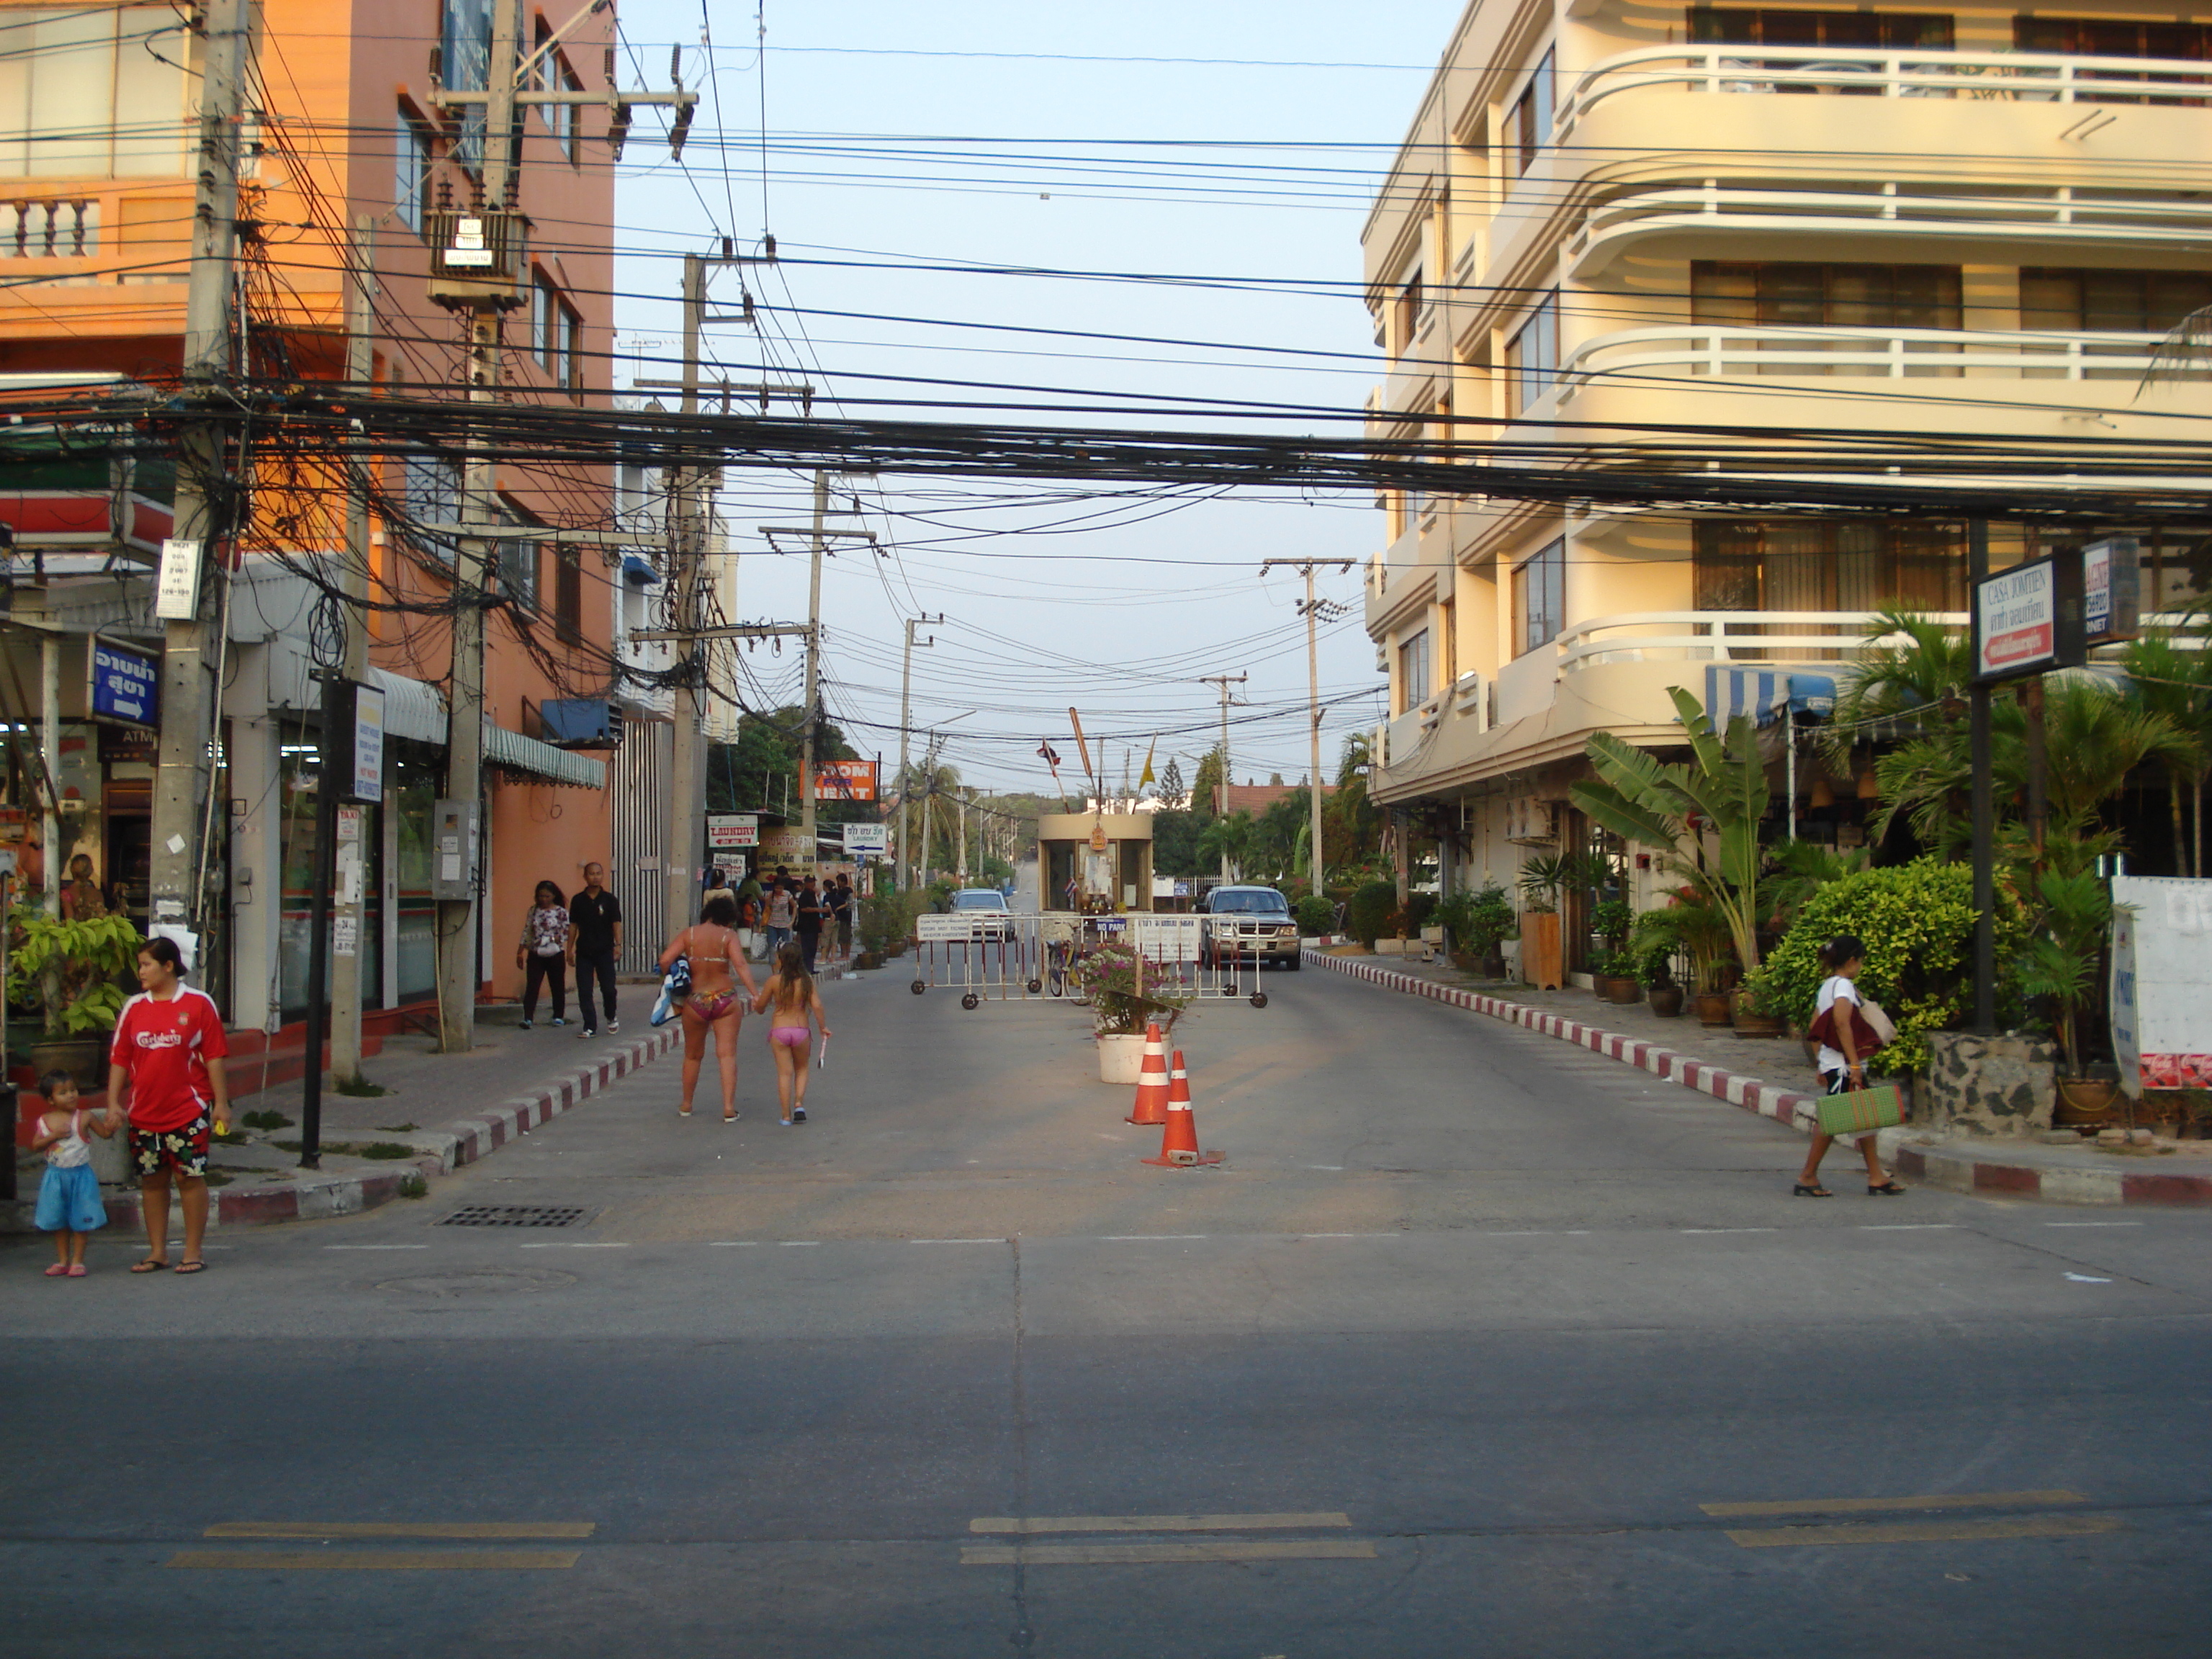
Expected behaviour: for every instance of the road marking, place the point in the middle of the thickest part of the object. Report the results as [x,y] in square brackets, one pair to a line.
[376,1247]
[735,1243]
[2092,1223]
[1150,1238]
[1348,1235]
[798,1244]
[1328,1169]
[1910,1227]
[1045,1524]
[1541,1232]
[375,1560]
[401,1529]
[572,1244]
[2088,1279]
[1928,1532]
[1731,1229]
[1940,1500]
[1213,1550]
[956,1241]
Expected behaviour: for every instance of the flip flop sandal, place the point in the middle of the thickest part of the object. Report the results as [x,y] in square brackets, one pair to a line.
[1814,1190]
[150,1265]
[192,1267]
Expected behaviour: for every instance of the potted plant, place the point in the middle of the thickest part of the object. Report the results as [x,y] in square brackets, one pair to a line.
[76,972]
[1653,942]
[1708,941]
[1613,971]
[1757,1012]
[1125,994]
[1615,977]
[1477,921]
[2060,965]
[1543,879]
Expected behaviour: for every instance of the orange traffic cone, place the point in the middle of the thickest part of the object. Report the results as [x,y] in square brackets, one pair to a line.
[1152,1105]
[1179,1140]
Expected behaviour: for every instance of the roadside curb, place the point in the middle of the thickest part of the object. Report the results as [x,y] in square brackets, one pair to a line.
[1957,1167]
[319,1197]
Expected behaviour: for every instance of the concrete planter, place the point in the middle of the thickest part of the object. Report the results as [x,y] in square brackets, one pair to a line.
[1994,1086]
[1121,1059]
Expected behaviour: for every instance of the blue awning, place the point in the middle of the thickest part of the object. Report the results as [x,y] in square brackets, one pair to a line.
[637,568]
[1762,693]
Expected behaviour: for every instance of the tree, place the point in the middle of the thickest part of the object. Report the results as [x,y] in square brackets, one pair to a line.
[2176,685]
[1205,800]
[1175,844]
[1232,838]
[1173,796]
[1671,807]
[750,774]
[1351,823]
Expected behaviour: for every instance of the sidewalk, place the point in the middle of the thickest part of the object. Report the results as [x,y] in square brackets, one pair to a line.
[1769,1077]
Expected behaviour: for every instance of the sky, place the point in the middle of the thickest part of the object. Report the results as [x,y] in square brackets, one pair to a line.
[906,147]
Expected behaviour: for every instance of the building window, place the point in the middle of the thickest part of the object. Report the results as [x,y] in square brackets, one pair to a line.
[568,591]
[2111,301]
[1832,564]
[411,185]
[1530,123]
[1413,672]
[572,352]
[430,490]
[1873,30]
[92,92]
[1540,597]
[1532,355]
[1409,311]
[545,337]
[464,64]
[2105,37]
[1824,296]
[518,572]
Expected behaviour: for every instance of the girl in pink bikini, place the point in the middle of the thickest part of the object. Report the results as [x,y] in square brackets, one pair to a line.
[791,992]
[717,967]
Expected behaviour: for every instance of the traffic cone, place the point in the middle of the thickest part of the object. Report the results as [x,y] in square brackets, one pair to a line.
[1179,1140]
[1152,1105]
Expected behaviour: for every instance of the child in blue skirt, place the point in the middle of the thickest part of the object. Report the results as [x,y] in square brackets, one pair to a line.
[68,1197]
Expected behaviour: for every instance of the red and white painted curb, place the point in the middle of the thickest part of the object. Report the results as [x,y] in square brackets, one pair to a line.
[1959,1166]
[312,1197]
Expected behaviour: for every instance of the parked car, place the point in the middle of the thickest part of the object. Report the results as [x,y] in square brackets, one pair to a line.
[989,908]
[1242,922]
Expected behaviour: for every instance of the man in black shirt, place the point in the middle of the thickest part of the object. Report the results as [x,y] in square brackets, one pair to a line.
[839,899]
[811,911]
[595,937]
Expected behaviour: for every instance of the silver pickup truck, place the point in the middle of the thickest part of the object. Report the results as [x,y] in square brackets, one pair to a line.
[1251,923]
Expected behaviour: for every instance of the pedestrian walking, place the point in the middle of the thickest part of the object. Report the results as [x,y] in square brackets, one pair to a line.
[542,953]
[81,899]
[1848,1039]
[69,1193]
[168,1057]
[781,914]
[796,1001]
[718,886]
[595,938]
[813,912]
[717,967]
[750,901]
[841,901]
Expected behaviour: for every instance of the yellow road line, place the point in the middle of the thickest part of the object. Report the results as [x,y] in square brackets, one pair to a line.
[1222,1549]
[1941,1500]
[401,1529]
[1043,1523]
[1928,1532]
[375,1560]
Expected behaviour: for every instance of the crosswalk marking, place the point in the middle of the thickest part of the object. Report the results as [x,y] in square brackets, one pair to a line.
[1051,1523]
[1209,1550]
[1927,1531]
[1942,1500]
[401,1529]
[375,1560]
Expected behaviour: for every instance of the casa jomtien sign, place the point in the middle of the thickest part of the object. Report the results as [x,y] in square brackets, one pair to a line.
[2029,620]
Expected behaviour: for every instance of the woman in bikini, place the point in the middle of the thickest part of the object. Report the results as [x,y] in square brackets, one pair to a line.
[791,993]
[717,967]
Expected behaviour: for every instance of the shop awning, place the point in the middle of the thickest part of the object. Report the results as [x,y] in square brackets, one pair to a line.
[1762,693]
[411,709]
[520,754]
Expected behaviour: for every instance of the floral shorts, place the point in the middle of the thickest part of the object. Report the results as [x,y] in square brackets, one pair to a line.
[184,1149]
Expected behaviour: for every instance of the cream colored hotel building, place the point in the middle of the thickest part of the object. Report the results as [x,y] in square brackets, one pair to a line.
[1905,221]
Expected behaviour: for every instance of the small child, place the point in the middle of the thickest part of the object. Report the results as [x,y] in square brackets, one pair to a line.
[792,991]
[68,1197]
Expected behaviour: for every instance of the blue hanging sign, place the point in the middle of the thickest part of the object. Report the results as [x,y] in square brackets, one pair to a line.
[126,684]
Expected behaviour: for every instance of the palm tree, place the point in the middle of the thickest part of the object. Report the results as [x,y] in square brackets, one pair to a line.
[1232,838]
[2177,684]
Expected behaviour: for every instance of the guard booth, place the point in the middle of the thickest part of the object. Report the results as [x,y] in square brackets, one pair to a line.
[1098,864]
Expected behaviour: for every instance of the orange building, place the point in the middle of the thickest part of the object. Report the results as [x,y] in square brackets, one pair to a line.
[349,155]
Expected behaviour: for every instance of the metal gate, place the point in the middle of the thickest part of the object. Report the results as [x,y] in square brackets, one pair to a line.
[989,956]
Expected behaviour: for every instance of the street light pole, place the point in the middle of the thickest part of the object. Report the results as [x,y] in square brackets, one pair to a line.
[1221,806]
[905,720]
[1311,608]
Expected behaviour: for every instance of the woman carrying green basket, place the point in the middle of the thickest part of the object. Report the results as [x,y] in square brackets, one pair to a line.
[1848,1028]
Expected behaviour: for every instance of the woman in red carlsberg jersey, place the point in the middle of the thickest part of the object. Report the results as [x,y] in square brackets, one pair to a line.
[169,1049]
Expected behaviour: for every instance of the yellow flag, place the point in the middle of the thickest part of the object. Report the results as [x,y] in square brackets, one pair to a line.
[1147,776]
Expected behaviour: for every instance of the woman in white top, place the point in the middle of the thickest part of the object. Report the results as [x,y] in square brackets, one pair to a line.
[1843,1070]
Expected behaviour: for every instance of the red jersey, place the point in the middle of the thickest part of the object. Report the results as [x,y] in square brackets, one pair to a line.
[164,1049]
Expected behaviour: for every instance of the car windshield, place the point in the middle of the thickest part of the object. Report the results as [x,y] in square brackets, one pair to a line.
[979,901]
[1245,902]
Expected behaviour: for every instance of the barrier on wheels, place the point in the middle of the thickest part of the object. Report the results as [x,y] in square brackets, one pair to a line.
[990,956]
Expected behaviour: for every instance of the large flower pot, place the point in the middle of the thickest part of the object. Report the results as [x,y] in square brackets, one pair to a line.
[2085,1103]
[1542,962]
[1620,987]
[84,1059]
[1121,1059]
[1714,1009]
[1667,1001]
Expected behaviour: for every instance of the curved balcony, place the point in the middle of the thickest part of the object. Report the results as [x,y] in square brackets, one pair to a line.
[1689,351]
[1747,637]
[2061,219]
[1915,72]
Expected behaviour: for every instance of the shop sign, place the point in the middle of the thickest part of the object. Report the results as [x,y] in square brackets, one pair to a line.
[870,838]
[126,684]
[731,831]
[2112,589]
[368,744]
[2027,620]
[845,780]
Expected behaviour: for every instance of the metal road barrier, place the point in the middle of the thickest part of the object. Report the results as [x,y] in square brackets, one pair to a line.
[988,957]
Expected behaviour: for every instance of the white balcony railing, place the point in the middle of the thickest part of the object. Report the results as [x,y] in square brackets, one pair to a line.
[1692,351]
[2058,215]
[1915,72]
[67,229]
[1722,636]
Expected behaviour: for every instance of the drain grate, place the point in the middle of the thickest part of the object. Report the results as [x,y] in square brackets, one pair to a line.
[516,1215]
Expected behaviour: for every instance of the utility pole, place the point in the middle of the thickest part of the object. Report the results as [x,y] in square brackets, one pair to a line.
[203,508]
[491,241]
[806,789]
[353,582]
[905,720]
[1221,806]
[963,861]
[1311,609]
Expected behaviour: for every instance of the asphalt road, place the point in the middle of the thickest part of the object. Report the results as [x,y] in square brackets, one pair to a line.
[1475,1345]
